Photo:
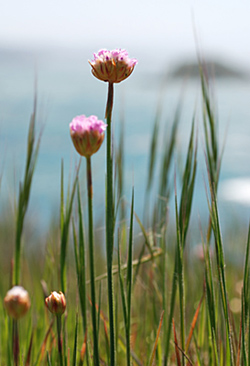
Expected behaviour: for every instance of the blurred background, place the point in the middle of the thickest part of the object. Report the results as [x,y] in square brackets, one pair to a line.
[52,41]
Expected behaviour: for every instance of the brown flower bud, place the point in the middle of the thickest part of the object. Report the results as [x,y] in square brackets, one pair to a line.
[56,303]
[17,302]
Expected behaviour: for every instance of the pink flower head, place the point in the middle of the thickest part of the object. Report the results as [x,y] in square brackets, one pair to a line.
[56,303]
[87,134]
[17,302]
[112,66]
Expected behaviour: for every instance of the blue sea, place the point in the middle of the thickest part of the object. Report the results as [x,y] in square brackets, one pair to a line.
[65,88]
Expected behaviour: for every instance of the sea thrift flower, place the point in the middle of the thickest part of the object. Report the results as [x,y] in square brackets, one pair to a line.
[87,134]
[56,303]
[17,302]
[112,66]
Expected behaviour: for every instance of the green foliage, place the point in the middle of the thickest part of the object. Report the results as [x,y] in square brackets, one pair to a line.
[25,190]
[154,303]
[65,225]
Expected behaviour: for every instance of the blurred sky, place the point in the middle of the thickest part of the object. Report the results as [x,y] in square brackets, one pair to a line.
[154,27]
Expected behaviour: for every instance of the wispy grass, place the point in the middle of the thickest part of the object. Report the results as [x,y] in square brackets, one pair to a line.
[126,291]
[183,214]
[66,210]
[25,190]
[152,301]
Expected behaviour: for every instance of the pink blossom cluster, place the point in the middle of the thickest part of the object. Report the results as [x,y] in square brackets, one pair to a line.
[87,134]
[112,66]
[118,55]
[81,124]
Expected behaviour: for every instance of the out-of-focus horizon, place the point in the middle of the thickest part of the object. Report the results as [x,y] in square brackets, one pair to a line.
[52,42]
[153,31]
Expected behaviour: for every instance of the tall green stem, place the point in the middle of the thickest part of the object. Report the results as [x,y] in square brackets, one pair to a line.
[15,343]
[110,221]
[18,250]
[59,331]
[92,261]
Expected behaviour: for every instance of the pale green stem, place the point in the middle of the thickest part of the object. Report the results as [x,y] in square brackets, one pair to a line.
[92,261]
[110,222]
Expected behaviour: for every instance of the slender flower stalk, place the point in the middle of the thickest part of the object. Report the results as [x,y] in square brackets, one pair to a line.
[92,261]
[113,67]
[56,304]
[87,134]
[59,337]
[15,342]
[110,221]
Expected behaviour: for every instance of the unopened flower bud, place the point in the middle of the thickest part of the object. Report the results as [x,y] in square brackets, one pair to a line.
[112,66]
[87,134]
[56,303]
[17,302]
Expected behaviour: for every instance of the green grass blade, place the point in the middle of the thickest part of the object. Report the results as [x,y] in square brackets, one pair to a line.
[152,154]
[25,190]
[221,269]
[182,224]
[171,312]
[145,235]
[164,184]
[122,290]
[188,182]
[129,279]
[65,232]
[136,272]
[245,302]
[99,309]
[82,263]
[62,198]
[210,300]
[76,253]
[208,111]
[180,276]
[119,173]
[156,340]
[75,343]
[48,359]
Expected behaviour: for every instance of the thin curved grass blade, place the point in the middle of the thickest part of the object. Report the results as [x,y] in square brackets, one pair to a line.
[75,343]
[83,350]
[28,357]
[156,340]
[193,324]
[43,347]
[177,351]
